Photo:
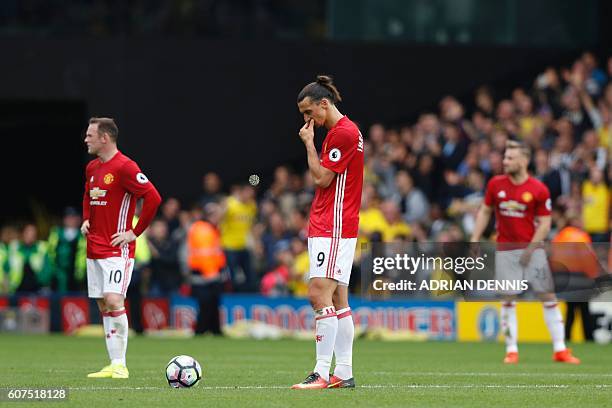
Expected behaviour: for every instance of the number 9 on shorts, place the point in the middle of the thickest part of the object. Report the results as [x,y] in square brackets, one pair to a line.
[331,258]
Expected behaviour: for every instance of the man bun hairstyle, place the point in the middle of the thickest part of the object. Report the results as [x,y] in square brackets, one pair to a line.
[323,87]
[106,125]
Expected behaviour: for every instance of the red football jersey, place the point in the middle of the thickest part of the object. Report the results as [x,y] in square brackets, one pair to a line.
[516,207]
[111,191]
[335,209]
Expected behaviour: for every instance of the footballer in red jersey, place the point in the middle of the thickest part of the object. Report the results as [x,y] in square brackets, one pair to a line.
[113,184]
[522,211]
[332,232]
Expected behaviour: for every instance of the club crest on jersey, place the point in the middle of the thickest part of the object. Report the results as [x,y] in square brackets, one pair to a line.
[527,196]
[96,193]
[108,178]
[334,155]
[501,194]
[141,178]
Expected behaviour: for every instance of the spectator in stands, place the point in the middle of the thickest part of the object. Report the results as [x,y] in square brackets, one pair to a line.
[376,135]
[211,186]
[206,261]
[166,277]
[483,125]
[574,112]
[276,232]
[485,104]
[505,115]
[298,223]
[280,191]
[27,263]
[558,181]
[470,161]
[275,282]
[464,209]
[549,90]
[371,218]
[239,213]
[298,282]
[170,211]
[428,134]
[412,202]
[595,77]
[306,195]
[395,229]
[596,206]
[425,176]
[67,254]
[561,154]
[454,147]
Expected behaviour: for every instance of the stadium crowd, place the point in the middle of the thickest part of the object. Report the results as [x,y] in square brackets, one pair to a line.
[422,182]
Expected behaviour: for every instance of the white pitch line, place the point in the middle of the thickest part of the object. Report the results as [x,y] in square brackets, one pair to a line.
[496,374]
[367,386]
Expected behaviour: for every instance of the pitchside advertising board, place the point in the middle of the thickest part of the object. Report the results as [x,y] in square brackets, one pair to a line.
[480,321]
[433,320]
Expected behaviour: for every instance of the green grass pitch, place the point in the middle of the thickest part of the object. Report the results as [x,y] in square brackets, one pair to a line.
[258,373]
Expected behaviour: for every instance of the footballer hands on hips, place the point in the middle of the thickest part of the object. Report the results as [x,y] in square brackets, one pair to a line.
[118,239]
[307,131]
[122,238]
[85,227]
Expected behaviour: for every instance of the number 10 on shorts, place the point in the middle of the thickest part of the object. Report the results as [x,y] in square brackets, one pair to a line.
[108,275]
[115,276]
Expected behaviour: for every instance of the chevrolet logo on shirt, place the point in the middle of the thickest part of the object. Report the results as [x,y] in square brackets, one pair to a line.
[96,193]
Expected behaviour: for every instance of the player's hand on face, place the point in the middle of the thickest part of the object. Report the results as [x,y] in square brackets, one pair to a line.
[85,227]
[307,131]
[122,238]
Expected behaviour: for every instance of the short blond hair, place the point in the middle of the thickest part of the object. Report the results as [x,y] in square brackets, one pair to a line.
[522,147]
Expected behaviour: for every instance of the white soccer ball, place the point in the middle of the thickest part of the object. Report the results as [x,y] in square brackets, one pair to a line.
[183,372]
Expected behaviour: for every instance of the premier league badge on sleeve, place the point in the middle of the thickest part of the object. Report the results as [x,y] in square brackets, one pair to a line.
[334,155]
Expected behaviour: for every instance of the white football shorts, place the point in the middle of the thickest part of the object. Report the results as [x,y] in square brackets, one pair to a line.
[537,272]
[108,275]
[331,258]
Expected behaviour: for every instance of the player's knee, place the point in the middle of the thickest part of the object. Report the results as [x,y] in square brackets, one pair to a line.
[317,297]
[314,297]
[319,294]
[113,301]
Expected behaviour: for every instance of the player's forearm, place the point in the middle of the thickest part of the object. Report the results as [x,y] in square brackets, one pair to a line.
[482,220]
[314,165]
[541,231]
[151,201]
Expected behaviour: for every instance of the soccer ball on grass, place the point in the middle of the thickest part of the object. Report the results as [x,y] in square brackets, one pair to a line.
[183,372]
